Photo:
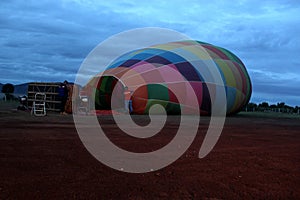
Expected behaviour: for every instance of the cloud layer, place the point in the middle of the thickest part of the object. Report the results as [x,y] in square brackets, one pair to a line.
[48,40]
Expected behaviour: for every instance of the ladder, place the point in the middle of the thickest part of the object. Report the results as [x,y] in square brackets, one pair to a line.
[39,105]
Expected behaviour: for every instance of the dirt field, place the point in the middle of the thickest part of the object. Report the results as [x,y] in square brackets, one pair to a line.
[43,158]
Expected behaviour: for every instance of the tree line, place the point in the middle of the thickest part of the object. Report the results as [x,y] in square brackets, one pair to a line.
[266,107]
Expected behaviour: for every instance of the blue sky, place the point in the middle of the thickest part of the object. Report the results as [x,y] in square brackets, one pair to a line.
[48,40]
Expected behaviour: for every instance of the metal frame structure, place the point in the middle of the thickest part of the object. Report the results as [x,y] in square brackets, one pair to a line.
[52,102]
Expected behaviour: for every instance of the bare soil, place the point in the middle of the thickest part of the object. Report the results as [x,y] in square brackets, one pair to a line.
[43,158]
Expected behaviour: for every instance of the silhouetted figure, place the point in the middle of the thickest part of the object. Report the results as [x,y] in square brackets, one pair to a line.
[63,96]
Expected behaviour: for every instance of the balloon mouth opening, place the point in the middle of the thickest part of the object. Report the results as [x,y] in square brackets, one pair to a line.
[107,86]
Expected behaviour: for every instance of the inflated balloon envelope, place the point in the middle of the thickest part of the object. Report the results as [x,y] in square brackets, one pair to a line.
[171,75]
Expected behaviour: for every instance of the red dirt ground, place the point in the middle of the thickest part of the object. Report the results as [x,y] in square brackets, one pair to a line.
[43,158]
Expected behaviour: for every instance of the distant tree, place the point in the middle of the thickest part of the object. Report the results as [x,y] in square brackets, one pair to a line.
[251,107]
[297,110]
[8,89]
[273,107]
[263,106]
[288,108]
[280,106]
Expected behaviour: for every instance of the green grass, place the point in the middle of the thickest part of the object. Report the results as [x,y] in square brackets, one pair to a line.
[269,115]
[8,105]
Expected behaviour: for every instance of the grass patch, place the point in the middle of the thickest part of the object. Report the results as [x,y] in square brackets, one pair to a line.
[269,115]
[8,105]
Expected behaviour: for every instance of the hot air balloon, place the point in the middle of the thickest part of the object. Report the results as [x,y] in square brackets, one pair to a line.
[169,75]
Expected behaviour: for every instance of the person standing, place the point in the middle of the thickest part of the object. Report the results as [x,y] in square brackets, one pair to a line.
[63,96]
[128,101]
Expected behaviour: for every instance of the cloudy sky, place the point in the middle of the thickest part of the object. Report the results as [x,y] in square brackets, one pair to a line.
[48,40]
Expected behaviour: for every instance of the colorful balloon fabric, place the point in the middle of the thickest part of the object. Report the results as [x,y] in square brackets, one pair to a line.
[171,75]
